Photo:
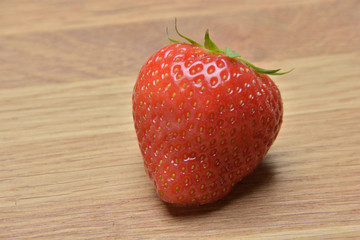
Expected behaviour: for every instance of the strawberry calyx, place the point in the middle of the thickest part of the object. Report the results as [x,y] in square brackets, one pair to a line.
[210,46]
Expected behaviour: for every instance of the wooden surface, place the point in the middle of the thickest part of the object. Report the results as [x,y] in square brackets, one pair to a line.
[70,167]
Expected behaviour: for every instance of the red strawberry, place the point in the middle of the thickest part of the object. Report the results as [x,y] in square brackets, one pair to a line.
[204,118]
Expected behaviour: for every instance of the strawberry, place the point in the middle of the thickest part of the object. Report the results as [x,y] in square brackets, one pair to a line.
[204,117]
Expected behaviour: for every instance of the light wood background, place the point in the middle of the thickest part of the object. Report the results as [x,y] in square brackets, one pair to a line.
[70,167]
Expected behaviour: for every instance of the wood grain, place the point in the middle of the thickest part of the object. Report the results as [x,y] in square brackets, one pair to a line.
[70,167]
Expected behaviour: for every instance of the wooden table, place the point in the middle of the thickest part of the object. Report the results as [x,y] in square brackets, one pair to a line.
[70,167]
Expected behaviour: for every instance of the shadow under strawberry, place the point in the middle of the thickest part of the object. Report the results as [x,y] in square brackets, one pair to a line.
[260,178]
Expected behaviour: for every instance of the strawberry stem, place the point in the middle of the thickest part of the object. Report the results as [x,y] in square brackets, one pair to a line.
[211,46]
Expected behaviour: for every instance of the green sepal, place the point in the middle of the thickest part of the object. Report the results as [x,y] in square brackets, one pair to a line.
[186,38]
[257,69]
[170,39]
[231,53]
[262,70]
[209,44]
[281,73]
